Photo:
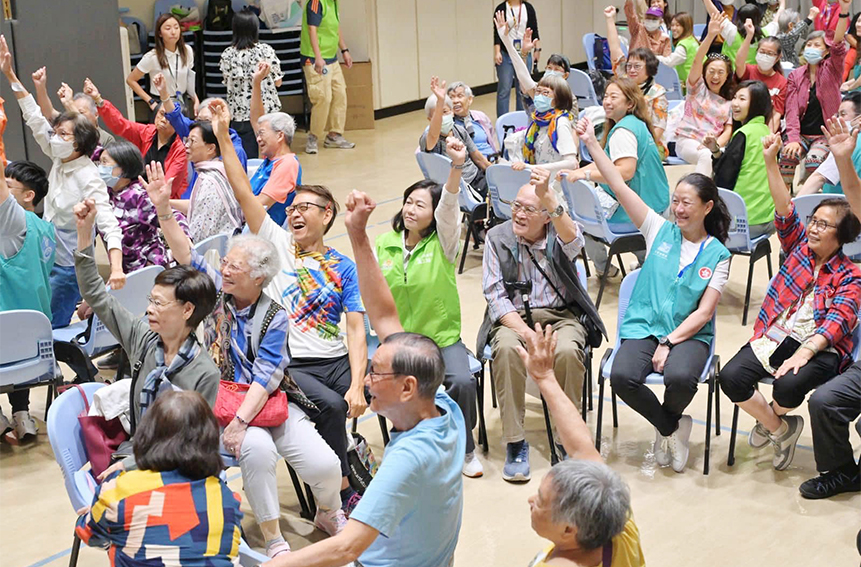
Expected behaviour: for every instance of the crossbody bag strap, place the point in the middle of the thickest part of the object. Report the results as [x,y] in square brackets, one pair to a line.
[136,370]
[552,285]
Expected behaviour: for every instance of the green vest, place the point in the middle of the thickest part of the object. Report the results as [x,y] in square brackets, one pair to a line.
[683,69]
[650,180]
[752,182]
[25,277]
[327,31]
[838,188]
[662,299]
[731,50]
[426,295]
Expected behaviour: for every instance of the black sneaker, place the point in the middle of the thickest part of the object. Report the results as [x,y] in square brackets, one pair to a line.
[831,484]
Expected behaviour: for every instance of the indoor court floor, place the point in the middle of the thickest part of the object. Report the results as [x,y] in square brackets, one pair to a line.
[747,515]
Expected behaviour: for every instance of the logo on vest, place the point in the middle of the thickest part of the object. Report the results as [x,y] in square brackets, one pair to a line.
[47,248]
[387,265]
[705,273]
[663,249]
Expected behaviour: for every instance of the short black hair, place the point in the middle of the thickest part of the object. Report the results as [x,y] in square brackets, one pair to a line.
[560,60]
[179,432]
[190,286]
[128,158]
[647,57]
[848,227]
[86,135]
[30,176]
[855,98]
[207,134]
[760,100]
[246,29]
[435,190]
[419,356]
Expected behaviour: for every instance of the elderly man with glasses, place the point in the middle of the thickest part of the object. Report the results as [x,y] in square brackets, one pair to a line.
[538,246]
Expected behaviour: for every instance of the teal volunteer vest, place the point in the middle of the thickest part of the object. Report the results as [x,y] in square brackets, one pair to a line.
[662,298]
[25,277]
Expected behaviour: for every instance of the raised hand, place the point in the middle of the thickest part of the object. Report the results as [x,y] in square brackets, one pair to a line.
[540,178]
[749,28]
[160,85]
[85,216]
[501,22]
[220,118]
[527,43]
[157,188]
[40,78]
[359,208]
[586,132]
[438,88]
[610,13]
[90,89]
[456,150]
[65,94]
[813,13]
[539,355]
[841,138]
[5,58]
[715,24]
[261,72]
[771,147]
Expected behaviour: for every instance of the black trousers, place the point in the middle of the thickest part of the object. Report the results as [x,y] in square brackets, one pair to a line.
[248,137]
[739,376]
[633,363]
[325,381]
[833,406]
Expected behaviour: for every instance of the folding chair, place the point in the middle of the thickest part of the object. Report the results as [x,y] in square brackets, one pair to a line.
[582,89]
[668,78]
[804,206]
[27,353]
[507,124]
[707,376]
[503,183]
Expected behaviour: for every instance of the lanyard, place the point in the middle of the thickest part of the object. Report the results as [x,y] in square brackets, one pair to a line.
[685,269]
[519,14]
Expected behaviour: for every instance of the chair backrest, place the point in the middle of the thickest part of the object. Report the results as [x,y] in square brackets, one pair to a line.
[582,88]
[64,433]
[252,166]
[739,232]
[503,183]
[668,78]
[589,48]
[26,347]
[436,168]
[856,334]
[672,104]
[584,151]
[585,208]
[699,29]
[216,242]
[512,121]
[804,206]
[142,32]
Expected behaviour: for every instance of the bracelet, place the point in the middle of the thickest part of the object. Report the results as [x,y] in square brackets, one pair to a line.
[846,15]
[240,420]
[461,166]
[346,49]
[810,346]
[166,216]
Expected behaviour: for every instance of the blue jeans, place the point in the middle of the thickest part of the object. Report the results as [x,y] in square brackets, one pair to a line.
[64,295]
[506,80]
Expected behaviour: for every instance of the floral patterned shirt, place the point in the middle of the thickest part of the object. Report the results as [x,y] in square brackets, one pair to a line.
[237,70]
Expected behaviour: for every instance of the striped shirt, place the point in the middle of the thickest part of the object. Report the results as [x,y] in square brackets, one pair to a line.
[147,518]
[836,292]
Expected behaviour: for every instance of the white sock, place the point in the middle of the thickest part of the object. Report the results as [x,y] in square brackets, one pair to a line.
[782,429]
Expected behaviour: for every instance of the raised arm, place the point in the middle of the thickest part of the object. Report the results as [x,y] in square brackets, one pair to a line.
[741,54]
[613,40]
[842,141]
[40,81]
[447,212]
[715,24]
[261,72]
[435,128]
[181,123]
[375,291]
[780,195]
[842,23]
[114,119]
[254,212]
[711,9]
[632,18]
[539,356]
[527,83]
[158,189]
[630,201]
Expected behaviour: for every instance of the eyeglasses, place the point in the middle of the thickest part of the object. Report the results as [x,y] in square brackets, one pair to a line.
[189,141]
[157,303]
[543,91]
[820,225]
[518,206]
[303,207]
[234,267]
[634,66]
[377,376]
[716,72]
[67,136]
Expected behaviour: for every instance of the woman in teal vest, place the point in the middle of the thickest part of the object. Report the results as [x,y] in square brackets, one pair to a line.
[668,325]
[418,259]
[740,166]
[630,143]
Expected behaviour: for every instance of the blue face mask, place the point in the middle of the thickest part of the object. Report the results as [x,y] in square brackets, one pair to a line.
[106,172]
[542,103]
[812,55]
[551,73]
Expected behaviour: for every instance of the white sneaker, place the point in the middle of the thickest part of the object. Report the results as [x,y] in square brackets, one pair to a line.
[330,521]
[680,443]
[5,424]
[758,436]
[472,466]
[662,457]
[311,144]
[277,549]
[25,426]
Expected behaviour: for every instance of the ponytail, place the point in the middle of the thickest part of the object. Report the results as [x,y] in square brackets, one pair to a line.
[718,220]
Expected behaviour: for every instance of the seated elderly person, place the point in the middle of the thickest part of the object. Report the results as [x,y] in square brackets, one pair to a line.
[476,123]
[440,113]
[157,142]
[582,506]
[803,335]
[412,510]
[182,124]
[243,309]
[164,350]
[175,509]
[539,245]
[827,177]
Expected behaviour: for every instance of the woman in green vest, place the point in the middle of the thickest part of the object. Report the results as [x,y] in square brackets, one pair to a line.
[740,166]
[733,32]
[668,325]
[417,258]
[685,47]
[630,143]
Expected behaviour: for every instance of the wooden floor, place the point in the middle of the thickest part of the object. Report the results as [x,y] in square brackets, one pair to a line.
[746,515]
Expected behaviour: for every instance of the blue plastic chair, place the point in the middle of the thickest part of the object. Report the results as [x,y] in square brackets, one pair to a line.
[672,159]
[503,183]
[582,89]
[699,30]
[589,49]
[27,352]
[804,206]
[142,31]
[508,123]
[216,242]
[586,210]
[668,78]
[252,166]
[707,376]
[740,242]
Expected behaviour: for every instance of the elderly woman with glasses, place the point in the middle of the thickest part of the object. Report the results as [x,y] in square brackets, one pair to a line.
[247,338]
[803,335]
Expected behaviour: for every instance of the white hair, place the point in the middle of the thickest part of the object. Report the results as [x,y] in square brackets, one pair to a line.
[90,102]
[280,122]
[430,105]
[261,255]
[459,85]
[207,101]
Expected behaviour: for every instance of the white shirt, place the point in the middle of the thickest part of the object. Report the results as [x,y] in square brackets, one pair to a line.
[653,224]
[516,21]
[623,144]
[544,151]
[677,57]
[178,77]
[828,170]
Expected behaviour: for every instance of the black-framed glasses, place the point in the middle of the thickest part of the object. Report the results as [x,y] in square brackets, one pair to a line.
[377,376]
[820,225]
[303,207]
[518,206]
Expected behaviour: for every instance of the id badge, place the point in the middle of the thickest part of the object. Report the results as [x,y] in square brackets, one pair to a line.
[517,44]
[777,333]
[311,264]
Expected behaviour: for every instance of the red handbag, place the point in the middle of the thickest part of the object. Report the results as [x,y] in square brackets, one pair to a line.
[102,437]
[231,396]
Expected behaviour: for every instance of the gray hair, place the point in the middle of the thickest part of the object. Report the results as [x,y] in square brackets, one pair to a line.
[90,102]
[280,122]
[207,101]
[459,85]
[787,17]
[812,35]
[261,255]
[430,104]
[417,355]
[591,496]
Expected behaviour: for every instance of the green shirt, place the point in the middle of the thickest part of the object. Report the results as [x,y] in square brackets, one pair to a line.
[691,45]
[322,14]
[752,182]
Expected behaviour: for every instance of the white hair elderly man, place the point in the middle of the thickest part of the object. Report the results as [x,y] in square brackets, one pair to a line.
[439,109]
[582,506]
[476,123]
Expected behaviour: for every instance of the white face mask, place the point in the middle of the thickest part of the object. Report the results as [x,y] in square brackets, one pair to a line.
[447,124]
[61,148]
[727,2]
[651,25]
[765,62]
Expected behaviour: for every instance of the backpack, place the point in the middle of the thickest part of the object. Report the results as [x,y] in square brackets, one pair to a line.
[219,15]
[601,53]
[363,465]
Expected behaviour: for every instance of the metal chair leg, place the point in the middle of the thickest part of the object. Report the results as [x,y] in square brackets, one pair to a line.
[600,412]
[717,395]
[463,252]
[603,278]
[384,429]
[482,426]
[621,265]
[584,405]
[768,263]
[589,383]
[554,457]
[355,426]
[76,549]
[730,460]
[747,292]
[312,505]
[585,262]
[708,426]
[492,385]
[305,510]
[615,411]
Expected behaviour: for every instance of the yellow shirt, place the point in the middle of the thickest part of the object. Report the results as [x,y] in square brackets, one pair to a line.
[626,549]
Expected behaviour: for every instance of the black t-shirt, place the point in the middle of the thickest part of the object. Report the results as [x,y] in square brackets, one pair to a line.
[811,122]
[154,153]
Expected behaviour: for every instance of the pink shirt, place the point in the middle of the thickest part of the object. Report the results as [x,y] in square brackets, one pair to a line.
[705,113]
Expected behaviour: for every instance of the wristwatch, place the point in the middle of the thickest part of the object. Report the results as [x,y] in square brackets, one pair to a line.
[664,341]
[587,174]
[557,212]
[461,166]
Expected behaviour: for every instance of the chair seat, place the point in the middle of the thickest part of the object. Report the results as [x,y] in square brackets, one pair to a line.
[754,242]
[673,160]
[67,334]
[487,354]
[474,365]
[654,378]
